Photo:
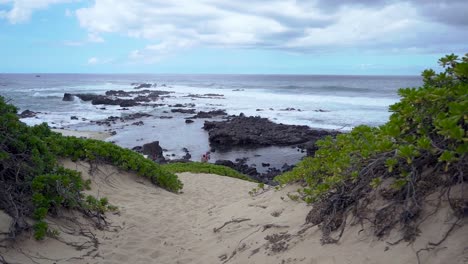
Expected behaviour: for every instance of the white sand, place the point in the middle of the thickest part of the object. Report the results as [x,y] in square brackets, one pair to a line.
[155,226]
[83,134]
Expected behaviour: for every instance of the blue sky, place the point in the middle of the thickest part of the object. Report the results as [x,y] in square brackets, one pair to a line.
[209,36]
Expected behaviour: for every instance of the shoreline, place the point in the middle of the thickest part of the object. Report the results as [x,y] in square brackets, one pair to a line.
[83,134]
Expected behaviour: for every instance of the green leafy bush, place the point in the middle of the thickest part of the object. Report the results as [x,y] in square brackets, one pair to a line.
[77,148]
[33,184]
[203,167]
[426,131]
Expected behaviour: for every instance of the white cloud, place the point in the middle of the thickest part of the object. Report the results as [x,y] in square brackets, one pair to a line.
[21,10]
[292,25]
[280,24]
[93,61]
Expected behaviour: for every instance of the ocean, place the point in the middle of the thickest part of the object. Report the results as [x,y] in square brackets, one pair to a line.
[318,101]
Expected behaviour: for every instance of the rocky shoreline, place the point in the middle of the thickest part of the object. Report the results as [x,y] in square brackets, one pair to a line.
[224,133]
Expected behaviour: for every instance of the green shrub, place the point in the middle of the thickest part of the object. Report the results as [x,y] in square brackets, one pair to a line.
[201,167]
[423,147]
[88,149]
[429,123]
[32,184]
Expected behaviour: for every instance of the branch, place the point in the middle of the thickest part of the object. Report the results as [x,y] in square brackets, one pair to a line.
[237,220]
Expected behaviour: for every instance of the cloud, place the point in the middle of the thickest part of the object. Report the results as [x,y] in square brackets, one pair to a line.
[166,26]
[155,53]
[21,10]
[295,25]
[92,38]
[93,61]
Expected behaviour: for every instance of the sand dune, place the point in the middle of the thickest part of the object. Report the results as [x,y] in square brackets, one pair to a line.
[155,226]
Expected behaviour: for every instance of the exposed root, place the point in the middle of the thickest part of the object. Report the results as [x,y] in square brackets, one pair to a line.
[237,220]
[433,245]
[402,207]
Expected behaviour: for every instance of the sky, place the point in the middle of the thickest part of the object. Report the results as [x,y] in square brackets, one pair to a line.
[356,37]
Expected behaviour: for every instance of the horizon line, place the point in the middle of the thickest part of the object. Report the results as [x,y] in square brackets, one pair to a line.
[143,73]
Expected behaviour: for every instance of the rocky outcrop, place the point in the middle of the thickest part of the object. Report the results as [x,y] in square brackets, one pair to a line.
[68,97]
[257,131]
[27,114]
[104,100]
[154,151]
[114,97]
[113,119]
[209,114]
[241,166]
[143,85]
[187,155]
[183,111]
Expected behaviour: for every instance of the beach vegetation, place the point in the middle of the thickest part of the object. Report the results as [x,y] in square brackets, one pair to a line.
[33,184]
[423,147]
[205,167]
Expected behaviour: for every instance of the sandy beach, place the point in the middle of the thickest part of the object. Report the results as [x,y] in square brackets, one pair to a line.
[215,220]
[82,134]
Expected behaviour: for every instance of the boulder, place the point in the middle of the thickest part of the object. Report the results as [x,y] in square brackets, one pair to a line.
[68,97]
[154,151]
[27,114]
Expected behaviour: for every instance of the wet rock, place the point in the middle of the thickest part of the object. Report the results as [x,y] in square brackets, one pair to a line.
[73,117]
[139,123]
[188,121]
[209,114]
[166,117]
[241,166]
[291,109]
[187,155]
[143,85]
[68,97]
[138,149]
[119,93]
[183,111]
[256,131]
[27,114]
[128,103]
[87,97]
[154,151]
[265,164]
[135,116]
[182,105]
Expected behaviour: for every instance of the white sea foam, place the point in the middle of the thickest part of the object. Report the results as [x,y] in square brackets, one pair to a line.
[321,111]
